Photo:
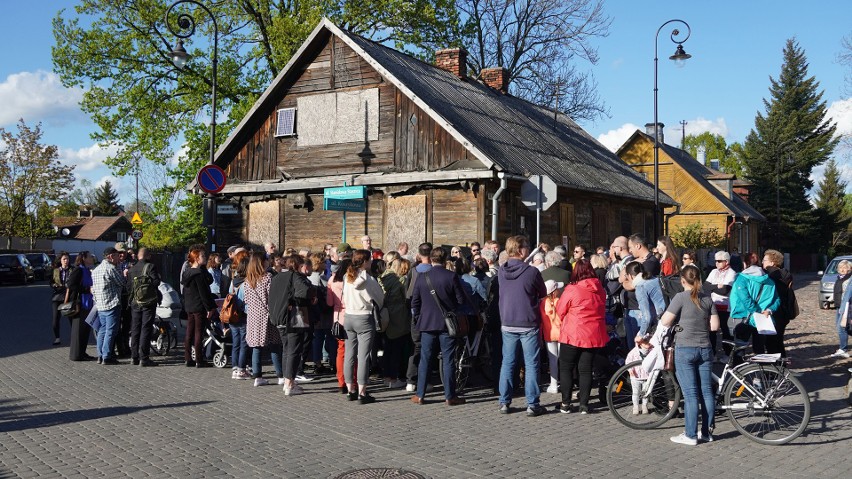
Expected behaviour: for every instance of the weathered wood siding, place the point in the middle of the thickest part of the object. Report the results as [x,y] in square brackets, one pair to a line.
[311,226]
[455,217]
[422,144]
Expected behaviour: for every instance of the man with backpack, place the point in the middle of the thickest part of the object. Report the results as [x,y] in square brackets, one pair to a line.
[143,279]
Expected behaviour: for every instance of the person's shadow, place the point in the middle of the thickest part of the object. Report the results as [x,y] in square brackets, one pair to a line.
[18,417]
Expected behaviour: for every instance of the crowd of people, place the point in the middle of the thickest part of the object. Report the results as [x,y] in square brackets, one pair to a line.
[354,312]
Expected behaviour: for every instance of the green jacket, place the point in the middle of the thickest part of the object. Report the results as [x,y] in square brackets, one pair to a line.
[745,291]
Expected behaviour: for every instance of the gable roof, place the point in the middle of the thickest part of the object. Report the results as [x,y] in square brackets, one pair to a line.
[702,174]
[90,228]
[503,132]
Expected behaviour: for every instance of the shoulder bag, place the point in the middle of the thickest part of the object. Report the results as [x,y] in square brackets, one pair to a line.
[456,326]
[380,316]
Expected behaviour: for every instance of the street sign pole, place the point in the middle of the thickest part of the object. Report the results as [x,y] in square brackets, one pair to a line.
[343,238]
[538,214]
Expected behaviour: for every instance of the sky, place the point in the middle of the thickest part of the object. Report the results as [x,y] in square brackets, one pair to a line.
[736,46]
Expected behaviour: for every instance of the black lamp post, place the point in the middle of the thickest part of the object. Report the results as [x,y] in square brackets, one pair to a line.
[179,56]
[679,57]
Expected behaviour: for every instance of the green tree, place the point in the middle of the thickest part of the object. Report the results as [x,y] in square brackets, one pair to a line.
[716,148]
[788,141]
[831,210]
[84,195]
[106,200]
[30,175]
[118,50]
[695,236]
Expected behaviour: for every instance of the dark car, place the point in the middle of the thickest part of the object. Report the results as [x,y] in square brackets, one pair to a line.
[15,268]
[42,266]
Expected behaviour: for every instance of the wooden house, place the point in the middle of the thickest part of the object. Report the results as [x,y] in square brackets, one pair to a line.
[704,194]
[442,156]
[87,232]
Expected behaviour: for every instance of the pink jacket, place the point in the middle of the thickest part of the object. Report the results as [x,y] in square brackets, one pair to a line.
[582,308]
[334,298]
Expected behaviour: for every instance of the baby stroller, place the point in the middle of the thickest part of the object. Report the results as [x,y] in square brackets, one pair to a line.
[164,333]
[216,344]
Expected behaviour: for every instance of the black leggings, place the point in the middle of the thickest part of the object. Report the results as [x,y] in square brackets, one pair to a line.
[57,317]
[293,341]
[583,359]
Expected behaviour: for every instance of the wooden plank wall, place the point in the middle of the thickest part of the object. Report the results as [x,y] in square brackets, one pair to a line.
[455,217]
[422,144]
[311,226]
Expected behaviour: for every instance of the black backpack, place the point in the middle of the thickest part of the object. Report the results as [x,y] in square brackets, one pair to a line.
[670,286]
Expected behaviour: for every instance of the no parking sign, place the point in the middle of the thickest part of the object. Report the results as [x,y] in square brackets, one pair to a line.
[211,179]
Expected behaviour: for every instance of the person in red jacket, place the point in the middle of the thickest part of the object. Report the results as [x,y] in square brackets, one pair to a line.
[582,308]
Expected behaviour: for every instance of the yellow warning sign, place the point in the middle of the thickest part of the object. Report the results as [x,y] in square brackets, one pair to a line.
[137,220]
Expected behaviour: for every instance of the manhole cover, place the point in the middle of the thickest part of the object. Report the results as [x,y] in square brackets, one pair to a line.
[377,472]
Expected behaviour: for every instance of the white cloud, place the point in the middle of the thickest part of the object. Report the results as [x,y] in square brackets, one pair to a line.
[38,96]
[613,139]
[697,126]
[87,158]
[840,112]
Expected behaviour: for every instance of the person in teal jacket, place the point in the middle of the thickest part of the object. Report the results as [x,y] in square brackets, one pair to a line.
[753,292]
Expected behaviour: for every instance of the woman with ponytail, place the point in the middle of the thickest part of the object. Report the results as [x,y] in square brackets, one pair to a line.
[696,314]
[361,292]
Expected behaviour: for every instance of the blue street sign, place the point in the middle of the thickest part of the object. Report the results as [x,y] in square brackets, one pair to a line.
[356,206]
[211,179]
[346,193]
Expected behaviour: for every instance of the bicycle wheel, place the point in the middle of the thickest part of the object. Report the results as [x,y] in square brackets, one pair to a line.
[787,408]
[460,371]
[664,391]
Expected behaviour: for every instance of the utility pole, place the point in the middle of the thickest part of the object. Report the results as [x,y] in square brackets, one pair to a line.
[683,124]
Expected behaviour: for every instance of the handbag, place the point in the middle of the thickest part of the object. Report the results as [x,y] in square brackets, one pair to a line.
[69,309]
[338,331]
[456,325]
[669,357]
[380,316]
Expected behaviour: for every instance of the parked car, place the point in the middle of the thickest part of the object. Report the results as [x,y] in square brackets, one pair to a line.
[826,284]
[15,268]
[42,266]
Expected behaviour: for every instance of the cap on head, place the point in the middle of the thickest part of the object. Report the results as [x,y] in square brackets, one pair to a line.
[723,256]
[553,286]
[120,247]
[109,250]
[343,247]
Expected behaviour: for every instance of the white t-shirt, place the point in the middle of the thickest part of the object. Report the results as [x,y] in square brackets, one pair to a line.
[717,277]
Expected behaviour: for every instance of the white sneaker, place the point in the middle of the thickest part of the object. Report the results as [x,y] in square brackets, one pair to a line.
[645,408]
[242,375]
[235,374]
[303,378]
[396,384]
[840,353]
[293,391]
[260,382]
[411,387]
[553,389]
[280,381]
[635,410]
[701,438]
[682,439]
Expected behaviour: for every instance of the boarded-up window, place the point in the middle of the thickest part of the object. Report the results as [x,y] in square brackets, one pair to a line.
[340,117]
[264,222]
[405,222]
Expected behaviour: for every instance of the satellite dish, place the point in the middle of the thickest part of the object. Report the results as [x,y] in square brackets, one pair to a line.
[66,232]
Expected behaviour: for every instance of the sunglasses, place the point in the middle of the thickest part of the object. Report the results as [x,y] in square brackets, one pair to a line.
[720,260]
[474,251]
[687,258]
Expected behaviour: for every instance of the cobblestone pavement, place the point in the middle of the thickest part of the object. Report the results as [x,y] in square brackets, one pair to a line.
[65,419]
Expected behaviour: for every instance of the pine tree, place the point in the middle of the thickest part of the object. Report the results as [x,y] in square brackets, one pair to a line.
[786,144]
[106,200]
[831,205]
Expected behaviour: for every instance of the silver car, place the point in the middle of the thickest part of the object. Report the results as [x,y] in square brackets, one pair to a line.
[826,284]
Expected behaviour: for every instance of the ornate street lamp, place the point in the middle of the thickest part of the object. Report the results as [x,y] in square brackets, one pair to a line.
[679,57]
[185,29]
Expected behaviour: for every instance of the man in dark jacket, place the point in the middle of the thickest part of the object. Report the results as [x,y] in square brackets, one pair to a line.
[429,321]
[142,310]
[521,290]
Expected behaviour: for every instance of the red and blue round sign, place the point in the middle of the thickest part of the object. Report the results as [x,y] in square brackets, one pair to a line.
[211,179]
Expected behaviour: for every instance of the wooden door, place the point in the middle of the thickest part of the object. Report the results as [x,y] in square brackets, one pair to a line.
[567,224]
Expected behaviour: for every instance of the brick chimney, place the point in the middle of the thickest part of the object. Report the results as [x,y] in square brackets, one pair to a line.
[454,60]
[649,130]
[496,78]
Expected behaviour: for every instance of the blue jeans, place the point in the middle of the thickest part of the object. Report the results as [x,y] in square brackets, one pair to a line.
[692,367]
[531,346]
[632,317]
[323,340]
[238,346]
[841,333]
[256,370]
[110,320]
[448,352]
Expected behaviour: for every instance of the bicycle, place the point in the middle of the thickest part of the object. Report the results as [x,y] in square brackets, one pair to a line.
[763,399]
[474,354]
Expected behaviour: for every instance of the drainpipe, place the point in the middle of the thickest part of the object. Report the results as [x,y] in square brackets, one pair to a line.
[504,177]
[669,216]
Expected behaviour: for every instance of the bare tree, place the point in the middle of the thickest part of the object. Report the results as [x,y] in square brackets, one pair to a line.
[540,43]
